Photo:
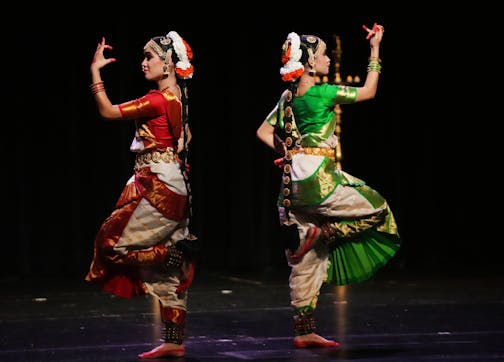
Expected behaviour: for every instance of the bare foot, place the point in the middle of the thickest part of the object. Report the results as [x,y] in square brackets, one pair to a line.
[313,340]
[164,350]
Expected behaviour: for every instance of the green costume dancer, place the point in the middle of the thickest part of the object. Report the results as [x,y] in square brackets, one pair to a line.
[336,229]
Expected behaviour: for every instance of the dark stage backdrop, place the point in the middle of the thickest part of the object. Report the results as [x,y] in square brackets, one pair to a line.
[64,167]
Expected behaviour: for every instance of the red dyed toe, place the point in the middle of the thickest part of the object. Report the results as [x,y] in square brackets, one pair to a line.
[315,344]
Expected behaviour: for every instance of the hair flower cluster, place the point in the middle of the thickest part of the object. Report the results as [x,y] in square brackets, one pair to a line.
[183,67]
[291,54]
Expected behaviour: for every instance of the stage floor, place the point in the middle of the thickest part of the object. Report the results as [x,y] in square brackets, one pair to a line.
[246,317]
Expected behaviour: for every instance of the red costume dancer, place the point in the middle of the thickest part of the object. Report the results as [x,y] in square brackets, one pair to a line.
[145,246]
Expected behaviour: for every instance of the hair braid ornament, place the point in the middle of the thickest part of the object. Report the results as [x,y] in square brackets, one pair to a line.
[183,66]
[291,54]
[172,47]
[184,70]
[291,71]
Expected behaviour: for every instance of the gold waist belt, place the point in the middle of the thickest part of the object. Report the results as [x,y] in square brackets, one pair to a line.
[317,151]
[144,158]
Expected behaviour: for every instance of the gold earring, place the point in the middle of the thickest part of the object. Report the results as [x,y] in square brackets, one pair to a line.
[312,71]
[166,73]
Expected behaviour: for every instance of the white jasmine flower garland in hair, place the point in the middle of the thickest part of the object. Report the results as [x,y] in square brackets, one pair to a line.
[183,67]
[291,54]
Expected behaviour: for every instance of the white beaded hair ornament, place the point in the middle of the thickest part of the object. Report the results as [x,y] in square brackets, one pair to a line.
[292,68]
[183,66]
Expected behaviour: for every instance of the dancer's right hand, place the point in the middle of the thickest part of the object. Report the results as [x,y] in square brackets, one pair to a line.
[99,60]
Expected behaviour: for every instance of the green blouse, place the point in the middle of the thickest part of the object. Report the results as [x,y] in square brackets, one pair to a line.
[314,111]
[313,123]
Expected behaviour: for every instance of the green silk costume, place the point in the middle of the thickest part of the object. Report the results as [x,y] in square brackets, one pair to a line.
[364,228]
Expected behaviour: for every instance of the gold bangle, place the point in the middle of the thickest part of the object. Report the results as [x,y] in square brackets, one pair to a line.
[97,87]
[96,84]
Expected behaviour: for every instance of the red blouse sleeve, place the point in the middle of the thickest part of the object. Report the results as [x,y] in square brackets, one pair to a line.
[149,106]
[158,116]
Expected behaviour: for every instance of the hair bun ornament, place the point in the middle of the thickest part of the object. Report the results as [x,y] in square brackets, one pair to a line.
[183,67]
[291,54]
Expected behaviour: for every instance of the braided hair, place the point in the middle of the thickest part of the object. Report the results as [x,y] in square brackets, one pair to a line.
[296,52]
[173,47]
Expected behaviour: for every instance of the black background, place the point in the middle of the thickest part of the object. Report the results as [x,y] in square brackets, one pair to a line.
[64,167]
